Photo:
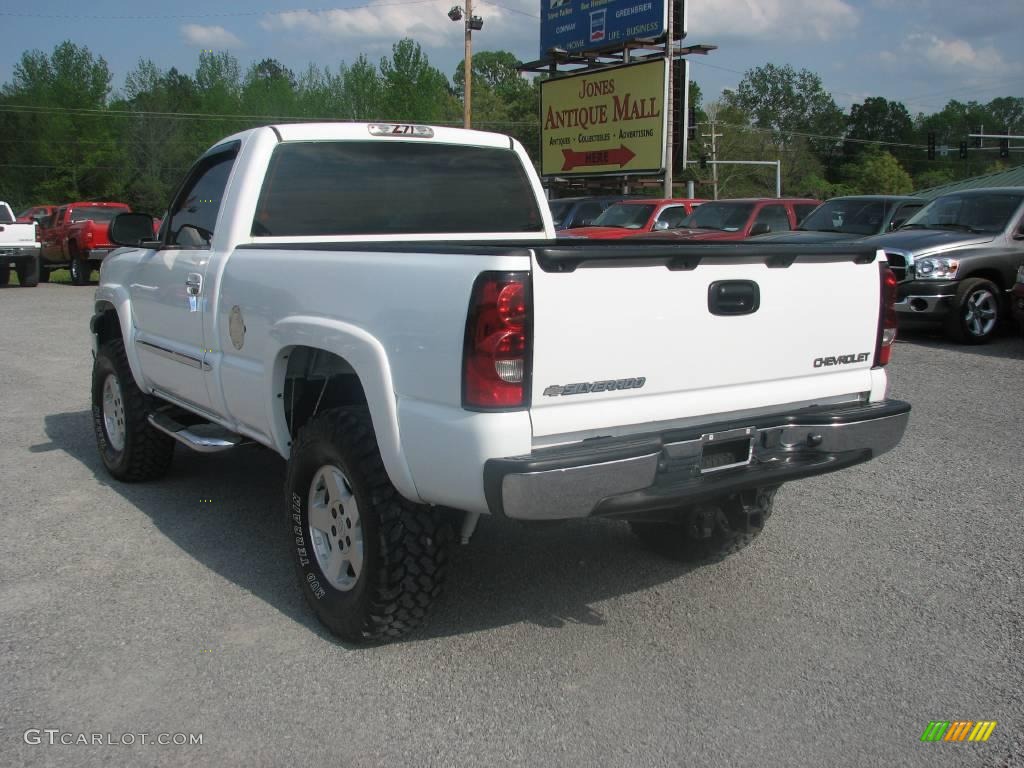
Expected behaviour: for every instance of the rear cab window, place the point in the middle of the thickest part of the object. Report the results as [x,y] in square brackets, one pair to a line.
[323,188]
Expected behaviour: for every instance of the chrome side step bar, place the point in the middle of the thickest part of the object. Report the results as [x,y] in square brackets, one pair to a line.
[205,438]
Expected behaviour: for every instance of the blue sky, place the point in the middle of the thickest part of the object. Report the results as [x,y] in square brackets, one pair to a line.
[922,52]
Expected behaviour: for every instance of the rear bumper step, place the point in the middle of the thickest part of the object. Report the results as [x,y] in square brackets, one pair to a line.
[205,438]
[625,476]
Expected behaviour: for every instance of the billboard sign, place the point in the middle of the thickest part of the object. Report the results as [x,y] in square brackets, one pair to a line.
[585,25]
[607,121]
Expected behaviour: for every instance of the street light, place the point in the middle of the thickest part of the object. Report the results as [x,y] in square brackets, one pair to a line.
[472,23]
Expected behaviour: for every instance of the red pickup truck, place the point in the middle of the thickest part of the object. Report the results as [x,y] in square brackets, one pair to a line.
[629,217]
[76,237]
[726,220]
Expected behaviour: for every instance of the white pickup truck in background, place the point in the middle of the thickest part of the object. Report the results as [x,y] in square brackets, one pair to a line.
[19,249]
[387,308]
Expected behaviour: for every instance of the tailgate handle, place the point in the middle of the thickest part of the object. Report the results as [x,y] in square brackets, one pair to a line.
[733,297]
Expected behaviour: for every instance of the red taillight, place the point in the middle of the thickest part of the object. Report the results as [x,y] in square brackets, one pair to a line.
[886,316]
[496,351]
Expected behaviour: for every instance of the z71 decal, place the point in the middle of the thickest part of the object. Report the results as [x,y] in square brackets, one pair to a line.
[586,387]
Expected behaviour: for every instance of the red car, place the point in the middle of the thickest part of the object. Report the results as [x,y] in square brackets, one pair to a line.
[629,217]
[37,213]
[727,220]
[76,237]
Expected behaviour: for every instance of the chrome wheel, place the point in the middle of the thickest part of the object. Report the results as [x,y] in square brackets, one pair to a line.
[335,528]
[981,312]
[113,412]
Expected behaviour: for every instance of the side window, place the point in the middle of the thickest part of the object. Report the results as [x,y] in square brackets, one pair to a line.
[59,216]
[801,210]
[193,215]
[905,212]
[585,214]
[775,217]
[673,216]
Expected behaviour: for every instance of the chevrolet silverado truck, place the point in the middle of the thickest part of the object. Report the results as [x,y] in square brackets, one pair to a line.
[387,308]
[956,260]
[19,249]
[76,237]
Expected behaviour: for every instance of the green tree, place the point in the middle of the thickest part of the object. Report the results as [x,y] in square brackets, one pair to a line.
[878,173]
[364,91]
[790,102]
[413,90]
[877,119]
[62,127]
[269,89]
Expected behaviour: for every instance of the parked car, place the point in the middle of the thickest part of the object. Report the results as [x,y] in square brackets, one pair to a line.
[628,217]
[1017,300]
[76,237]
[572,212]
[956,260]
[738,219]
[38,214]
[409,366]
[19,249]
[850,218]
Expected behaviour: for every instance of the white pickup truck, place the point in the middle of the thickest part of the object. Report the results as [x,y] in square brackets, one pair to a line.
[387,308]
[19,249]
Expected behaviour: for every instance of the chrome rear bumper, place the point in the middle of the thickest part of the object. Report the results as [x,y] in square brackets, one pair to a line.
[624,476]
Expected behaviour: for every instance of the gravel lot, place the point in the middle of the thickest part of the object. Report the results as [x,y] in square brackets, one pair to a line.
[878,599]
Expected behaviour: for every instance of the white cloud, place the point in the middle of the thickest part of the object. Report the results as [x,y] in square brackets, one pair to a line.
[425,23]
[778,19]
[953,55]
[209,37]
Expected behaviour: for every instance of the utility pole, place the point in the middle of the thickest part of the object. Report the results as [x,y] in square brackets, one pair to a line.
[670,46]
[712,113]
[468,72]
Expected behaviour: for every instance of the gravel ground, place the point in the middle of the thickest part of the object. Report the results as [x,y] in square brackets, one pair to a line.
[878,599]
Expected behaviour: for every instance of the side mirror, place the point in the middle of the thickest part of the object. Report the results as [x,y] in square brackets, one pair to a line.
[133,229]
[660,226]
[761,228]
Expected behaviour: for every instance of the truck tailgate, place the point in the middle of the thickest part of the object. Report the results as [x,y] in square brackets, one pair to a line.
[642,336]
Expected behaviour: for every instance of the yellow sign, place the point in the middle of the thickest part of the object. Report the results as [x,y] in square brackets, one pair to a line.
[604,121]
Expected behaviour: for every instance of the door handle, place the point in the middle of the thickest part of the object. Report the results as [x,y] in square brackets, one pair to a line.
[194,284]
[733,297]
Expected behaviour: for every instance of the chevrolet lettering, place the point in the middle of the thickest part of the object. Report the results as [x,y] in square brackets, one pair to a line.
[841,359]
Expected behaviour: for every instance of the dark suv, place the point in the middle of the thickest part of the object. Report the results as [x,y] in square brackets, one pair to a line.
[569,212]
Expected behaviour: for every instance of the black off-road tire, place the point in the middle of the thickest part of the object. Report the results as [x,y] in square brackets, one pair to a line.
[28,273]
[44,273]
[709,532]
[147,452]
[956,324]
[80,270]
[406,546]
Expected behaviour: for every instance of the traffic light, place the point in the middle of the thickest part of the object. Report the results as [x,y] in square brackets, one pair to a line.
[1004,148]
[963,150]
[931,145]
[692,124]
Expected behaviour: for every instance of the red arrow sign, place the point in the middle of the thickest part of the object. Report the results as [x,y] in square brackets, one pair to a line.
[618,157]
